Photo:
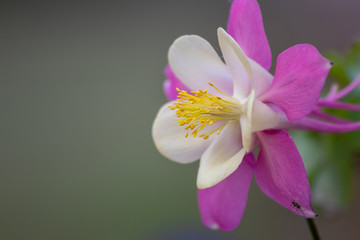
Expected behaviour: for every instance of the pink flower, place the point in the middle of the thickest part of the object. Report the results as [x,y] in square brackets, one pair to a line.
[244,108]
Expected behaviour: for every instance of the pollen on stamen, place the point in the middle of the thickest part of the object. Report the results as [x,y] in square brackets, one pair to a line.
[200,109]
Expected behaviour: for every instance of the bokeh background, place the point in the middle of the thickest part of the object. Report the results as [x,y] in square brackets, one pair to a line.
[81,82]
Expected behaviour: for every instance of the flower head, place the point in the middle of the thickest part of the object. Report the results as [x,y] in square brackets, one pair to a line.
[224,110]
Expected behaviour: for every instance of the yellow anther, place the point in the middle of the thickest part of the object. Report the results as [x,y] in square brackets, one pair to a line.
[201,109]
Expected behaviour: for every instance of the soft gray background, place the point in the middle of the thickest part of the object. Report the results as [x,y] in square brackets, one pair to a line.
[81,82]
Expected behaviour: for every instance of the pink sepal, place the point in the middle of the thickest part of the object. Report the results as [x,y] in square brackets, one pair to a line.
[280,173]
[299,77]
[245,25]
[222,206]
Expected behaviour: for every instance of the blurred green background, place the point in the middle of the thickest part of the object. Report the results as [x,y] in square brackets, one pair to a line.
[81,82]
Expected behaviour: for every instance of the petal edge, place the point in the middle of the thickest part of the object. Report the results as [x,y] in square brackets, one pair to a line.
[222,157]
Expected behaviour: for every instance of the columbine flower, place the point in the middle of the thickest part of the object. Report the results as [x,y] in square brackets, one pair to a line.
[226,110]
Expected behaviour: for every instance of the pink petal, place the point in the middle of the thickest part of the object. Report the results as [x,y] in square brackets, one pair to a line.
[299,77]
[245,25]
[222,206]
[171,83]
[280,173]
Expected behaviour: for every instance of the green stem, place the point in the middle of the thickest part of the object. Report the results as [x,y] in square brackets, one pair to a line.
[313,229]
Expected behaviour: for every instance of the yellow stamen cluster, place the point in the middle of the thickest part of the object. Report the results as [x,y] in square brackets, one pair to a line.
[201,109]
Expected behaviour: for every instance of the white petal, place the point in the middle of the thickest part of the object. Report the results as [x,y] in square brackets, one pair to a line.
[170,139]
[195,63]
[246,122]
[222,157]
[261,79]
[237,62]
[264,117]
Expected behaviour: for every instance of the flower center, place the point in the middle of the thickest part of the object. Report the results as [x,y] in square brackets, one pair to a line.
[201,109]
